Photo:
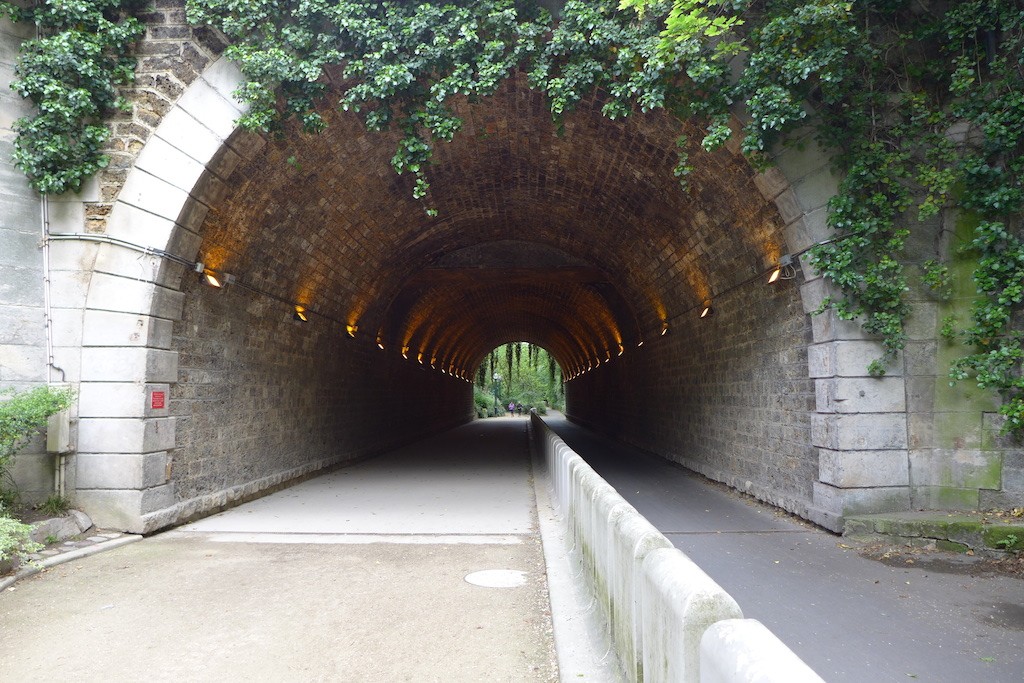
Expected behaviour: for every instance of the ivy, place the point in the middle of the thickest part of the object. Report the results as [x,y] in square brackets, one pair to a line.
[70,73]
[921,105]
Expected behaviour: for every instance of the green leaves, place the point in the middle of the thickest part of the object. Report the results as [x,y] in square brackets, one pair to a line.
[71,74]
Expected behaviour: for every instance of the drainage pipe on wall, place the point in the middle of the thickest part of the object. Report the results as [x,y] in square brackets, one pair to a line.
[60,459]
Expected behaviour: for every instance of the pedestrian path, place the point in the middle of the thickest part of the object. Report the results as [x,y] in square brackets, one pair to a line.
[424,564]
[850,618]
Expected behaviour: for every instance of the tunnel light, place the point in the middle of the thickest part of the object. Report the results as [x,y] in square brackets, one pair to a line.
[405,352]
[640,343]
[707,310]
[351,329]
[419,357]
[380,343]
[784,271]
[300,314]
[664,328]
[622,349]
[211,279]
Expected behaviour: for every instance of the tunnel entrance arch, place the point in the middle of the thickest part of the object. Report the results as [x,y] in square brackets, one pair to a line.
[336,233]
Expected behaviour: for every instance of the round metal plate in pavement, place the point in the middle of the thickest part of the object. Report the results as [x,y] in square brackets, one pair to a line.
[497,578]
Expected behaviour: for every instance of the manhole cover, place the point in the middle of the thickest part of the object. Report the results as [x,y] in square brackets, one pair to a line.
[497,578]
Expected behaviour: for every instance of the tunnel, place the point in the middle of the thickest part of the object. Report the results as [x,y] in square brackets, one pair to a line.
[580,241]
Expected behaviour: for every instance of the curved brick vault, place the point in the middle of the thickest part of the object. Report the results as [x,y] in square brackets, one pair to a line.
[191,398]
[582,243]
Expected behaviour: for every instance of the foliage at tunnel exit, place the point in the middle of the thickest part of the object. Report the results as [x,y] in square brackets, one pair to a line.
[921,103]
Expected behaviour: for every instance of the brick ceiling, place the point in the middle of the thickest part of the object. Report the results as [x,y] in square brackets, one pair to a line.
[583,242]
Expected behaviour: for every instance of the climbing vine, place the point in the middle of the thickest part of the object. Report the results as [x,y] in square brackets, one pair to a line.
[921,104]
[70,72]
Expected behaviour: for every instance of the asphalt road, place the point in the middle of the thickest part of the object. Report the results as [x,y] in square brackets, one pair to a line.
[852,619]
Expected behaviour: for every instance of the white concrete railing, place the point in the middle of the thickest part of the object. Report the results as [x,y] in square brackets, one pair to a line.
[668,621]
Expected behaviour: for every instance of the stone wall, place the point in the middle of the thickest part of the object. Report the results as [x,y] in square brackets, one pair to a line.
[727,396]
[22,332]
[259,393]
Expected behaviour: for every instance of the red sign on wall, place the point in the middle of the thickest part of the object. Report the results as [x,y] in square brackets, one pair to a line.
[157,400]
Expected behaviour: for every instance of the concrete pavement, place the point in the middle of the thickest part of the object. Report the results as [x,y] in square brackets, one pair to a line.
[370,573]
[850,618]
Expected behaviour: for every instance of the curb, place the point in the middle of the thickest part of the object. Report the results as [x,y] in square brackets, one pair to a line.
[39,565]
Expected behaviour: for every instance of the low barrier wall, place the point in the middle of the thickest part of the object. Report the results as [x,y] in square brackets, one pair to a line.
[667,620]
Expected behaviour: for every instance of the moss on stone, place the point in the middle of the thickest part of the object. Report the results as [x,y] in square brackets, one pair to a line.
[1004,537]
[951,546]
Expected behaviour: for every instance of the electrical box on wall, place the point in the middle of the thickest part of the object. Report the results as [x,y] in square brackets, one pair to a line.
[58,432]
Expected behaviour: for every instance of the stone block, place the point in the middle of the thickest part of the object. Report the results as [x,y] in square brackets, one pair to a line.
[21,286]
[66,326]
[72,255]
[788,206]
[19,363]
[846,359]
[124,294]
[956,468]
[116,260]
[944,498]
[182,130]
[66,217]
[155,195]
[69,288]
[112,509]
[121,471]
[21,249]
[125,435]
[922,324]
[32,470]
[203,103]
[827,326]
[142,227]
[861,501]
[111,328]
[114,399]
[814,190]
[771,182]
[860,395]
[21,207]
[165,161]
[920,430]
[224,76]
[129,365]
[861,469]
[22,326]
[921,394]
[920,358]
[859,432]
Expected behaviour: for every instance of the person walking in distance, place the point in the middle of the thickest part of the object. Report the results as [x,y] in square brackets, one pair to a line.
[511,409]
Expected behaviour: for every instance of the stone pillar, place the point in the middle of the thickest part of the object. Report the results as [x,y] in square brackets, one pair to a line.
[860,422]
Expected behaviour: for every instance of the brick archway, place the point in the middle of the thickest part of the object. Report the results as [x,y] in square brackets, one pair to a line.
[186,195]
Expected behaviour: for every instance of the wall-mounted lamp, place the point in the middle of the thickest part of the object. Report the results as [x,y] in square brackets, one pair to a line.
[784,271]
[300,314]
[664,328]
[351,329]
[707,310]
[640,343]
[405,352]
[622,349]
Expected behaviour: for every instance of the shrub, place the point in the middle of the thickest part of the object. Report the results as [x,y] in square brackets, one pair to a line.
[14,538]
[24,413]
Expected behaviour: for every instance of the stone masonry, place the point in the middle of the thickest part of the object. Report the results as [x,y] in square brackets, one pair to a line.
[192,397]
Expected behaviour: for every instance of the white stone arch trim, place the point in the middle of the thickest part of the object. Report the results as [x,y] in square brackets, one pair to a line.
[125,431]
[860,425]
[131,302]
